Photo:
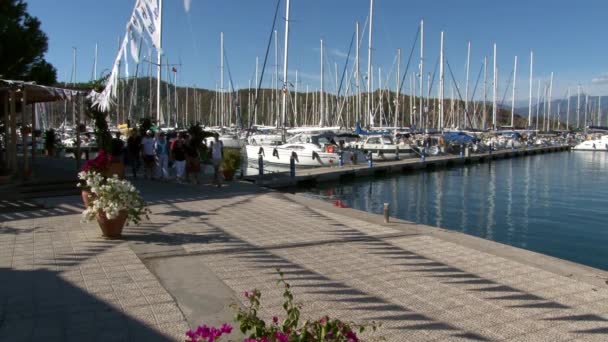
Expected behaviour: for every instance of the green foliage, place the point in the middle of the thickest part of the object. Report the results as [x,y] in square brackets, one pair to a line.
[25,45]
[231,159]
[290,328]
[102,132]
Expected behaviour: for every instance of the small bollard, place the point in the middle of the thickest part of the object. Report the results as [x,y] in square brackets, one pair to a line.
[397,153]
[386,210]
[292,165]
[370,159]
[260,166]
[423,154]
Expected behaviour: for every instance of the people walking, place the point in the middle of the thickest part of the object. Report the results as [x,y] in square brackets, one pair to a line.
[216,159]
[133,152]
[178,155]
[149,156]
[161,148]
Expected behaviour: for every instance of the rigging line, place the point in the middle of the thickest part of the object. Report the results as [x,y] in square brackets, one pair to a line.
[475,103]
[458,91]
[235,97]
[255,103]
[409,60]
[504,95]
[346,64]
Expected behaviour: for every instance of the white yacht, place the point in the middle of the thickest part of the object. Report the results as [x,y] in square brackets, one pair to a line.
[384,148]
[309,150]
[600,144]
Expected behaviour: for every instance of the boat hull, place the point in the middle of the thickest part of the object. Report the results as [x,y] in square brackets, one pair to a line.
[282,156]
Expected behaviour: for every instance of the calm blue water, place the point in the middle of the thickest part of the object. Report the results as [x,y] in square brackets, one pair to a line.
[555,204]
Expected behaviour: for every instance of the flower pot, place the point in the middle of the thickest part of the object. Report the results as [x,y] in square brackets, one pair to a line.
[228,174]
[115,168]
[112,228]
[87,197]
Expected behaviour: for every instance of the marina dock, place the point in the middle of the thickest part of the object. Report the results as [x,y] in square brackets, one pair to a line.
[329,174]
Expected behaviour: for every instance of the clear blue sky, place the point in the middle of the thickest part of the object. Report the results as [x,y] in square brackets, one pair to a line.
[568,38]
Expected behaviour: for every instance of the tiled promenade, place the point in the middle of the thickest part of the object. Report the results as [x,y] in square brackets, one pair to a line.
[60,279]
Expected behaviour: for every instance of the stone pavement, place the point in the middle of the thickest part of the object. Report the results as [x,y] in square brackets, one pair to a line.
[60,281]
[421,283]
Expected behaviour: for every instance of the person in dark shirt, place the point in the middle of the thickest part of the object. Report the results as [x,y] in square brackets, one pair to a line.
[133,152]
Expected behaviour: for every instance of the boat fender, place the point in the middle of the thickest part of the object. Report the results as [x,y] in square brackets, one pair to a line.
[275,153]
[261,151]
[294,156]
[315,156]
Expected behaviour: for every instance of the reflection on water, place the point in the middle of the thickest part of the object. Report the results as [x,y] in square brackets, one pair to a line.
[554,204]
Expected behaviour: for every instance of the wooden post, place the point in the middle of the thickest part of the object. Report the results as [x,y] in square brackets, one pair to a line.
[13,127]
[23,133]
[34,144]
[78,152]
[5,154]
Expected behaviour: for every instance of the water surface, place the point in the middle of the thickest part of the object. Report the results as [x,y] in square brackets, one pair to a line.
[556,204]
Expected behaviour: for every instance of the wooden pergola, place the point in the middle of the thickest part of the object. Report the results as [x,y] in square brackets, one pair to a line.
[17,99]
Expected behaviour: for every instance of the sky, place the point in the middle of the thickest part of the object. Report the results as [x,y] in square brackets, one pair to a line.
[568,38]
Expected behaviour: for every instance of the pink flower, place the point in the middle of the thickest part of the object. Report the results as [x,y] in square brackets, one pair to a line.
[275,319]
[226,328]
[352,337]
[192,335]
[280,337]
[246,294]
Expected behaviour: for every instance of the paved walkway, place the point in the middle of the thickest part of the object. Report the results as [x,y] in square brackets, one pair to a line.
[423,284]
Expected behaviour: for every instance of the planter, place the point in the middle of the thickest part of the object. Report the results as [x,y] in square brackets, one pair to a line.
[115,168]
[87,197]
[228,174]
[112,228]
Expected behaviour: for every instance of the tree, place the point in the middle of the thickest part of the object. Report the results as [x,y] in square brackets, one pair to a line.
[23,45]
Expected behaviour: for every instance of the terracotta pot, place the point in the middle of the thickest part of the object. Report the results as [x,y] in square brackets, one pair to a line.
[228,174]
[115,168]
[112,228]
[87,197]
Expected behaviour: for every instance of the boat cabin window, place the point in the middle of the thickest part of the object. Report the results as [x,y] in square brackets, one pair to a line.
[295,147]
[373,140]
[387,140]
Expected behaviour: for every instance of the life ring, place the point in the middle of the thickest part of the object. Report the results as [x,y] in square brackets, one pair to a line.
[330,148]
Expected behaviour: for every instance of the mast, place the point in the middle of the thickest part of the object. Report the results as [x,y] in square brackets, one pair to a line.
[322,102]
[549,104]
[466,89]
[159,60]
[537,104]
[599,109]
[369,64]
[275,94]
[285,55]
[357,70]
[222,79]
[397,78]
[295,102]
[421,71]
[568,112]
[530,97]
[494,92]
[441,85]
[186,109]
[485,91]
[578,107]
[255,112]
[513,96]
[95,64]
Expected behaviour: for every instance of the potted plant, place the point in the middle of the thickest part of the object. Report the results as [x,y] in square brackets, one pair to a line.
[231,161]
[115,202]
[50,142]
[100,165]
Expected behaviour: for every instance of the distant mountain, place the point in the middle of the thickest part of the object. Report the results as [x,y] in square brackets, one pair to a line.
[562,104]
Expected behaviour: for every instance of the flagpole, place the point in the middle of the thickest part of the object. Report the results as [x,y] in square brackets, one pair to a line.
[159,50]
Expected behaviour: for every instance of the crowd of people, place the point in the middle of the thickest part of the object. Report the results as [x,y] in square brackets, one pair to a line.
[171,156]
